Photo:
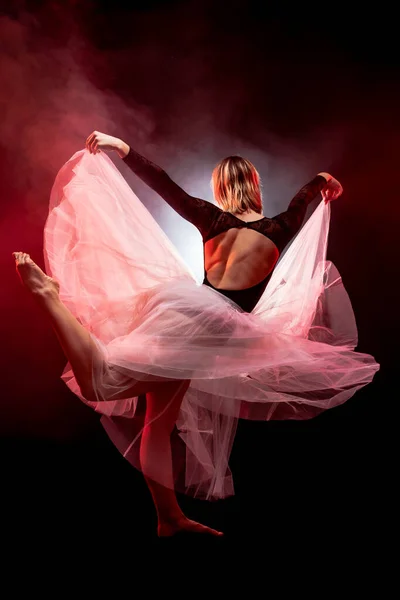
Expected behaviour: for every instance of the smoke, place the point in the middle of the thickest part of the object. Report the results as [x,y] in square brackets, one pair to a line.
[173,90]
[49,106]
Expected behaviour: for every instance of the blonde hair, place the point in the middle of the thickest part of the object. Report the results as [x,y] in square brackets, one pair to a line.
[236,185]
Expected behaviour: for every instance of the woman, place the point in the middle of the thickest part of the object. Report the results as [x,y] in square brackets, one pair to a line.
[260,339]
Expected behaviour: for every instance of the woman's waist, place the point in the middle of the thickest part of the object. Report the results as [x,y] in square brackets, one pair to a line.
[246,298]
[256,286]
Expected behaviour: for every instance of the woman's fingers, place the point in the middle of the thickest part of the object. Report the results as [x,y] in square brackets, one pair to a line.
[98,141]
[89,140]
[332,191]
[93,141]
[337,191]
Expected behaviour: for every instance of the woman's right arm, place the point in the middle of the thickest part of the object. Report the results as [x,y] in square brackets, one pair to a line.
[196,211]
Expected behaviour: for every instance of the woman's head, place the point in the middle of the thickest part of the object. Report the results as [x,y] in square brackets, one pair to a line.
[236,185]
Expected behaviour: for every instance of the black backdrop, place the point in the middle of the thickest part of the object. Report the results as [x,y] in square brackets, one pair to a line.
[298,91]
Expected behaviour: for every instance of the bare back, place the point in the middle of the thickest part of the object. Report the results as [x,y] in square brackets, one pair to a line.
[239,258]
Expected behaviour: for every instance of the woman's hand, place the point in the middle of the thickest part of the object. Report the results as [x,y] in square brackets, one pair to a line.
[332,190]
[101,141]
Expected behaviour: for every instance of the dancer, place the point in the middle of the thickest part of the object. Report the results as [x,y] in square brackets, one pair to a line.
[132,321]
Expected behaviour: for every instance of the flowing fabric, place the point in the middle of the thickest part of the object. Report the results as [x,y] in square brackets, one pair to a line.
[119,274]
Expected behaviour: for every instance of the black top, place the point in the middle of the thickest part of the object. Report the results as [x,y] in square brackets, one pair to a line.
[211,220]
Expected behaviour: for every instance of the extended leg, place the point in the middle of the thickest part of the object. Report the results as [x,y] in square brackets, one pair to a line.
[155,456]
[76,342]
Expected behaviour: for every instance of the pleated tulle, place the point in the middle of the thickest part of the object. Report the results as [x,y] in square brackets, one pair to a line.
[119,274]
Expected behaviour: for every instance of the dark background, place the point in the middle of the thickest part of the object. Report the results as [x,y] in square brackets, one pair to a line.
[297,91]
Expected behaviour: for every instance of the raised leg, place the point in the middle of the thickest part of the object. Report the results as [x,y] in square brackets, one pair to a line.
[76,342]
[163,398]
[155,456]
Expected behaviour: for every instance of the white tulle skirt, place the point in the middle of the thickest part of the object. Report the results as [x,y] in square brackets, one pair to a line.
[119,274]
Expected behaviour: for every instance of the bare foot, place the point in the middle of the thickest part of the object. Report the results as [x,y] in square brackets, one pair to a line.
[185,525]
[32,276]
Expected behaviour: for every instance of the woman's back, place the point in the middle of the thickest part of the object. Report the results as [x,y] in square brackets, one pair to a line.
[239,258]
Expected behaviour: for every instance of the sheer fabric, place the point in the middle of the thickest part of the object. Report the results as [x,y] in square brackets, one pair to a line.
[290,358]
